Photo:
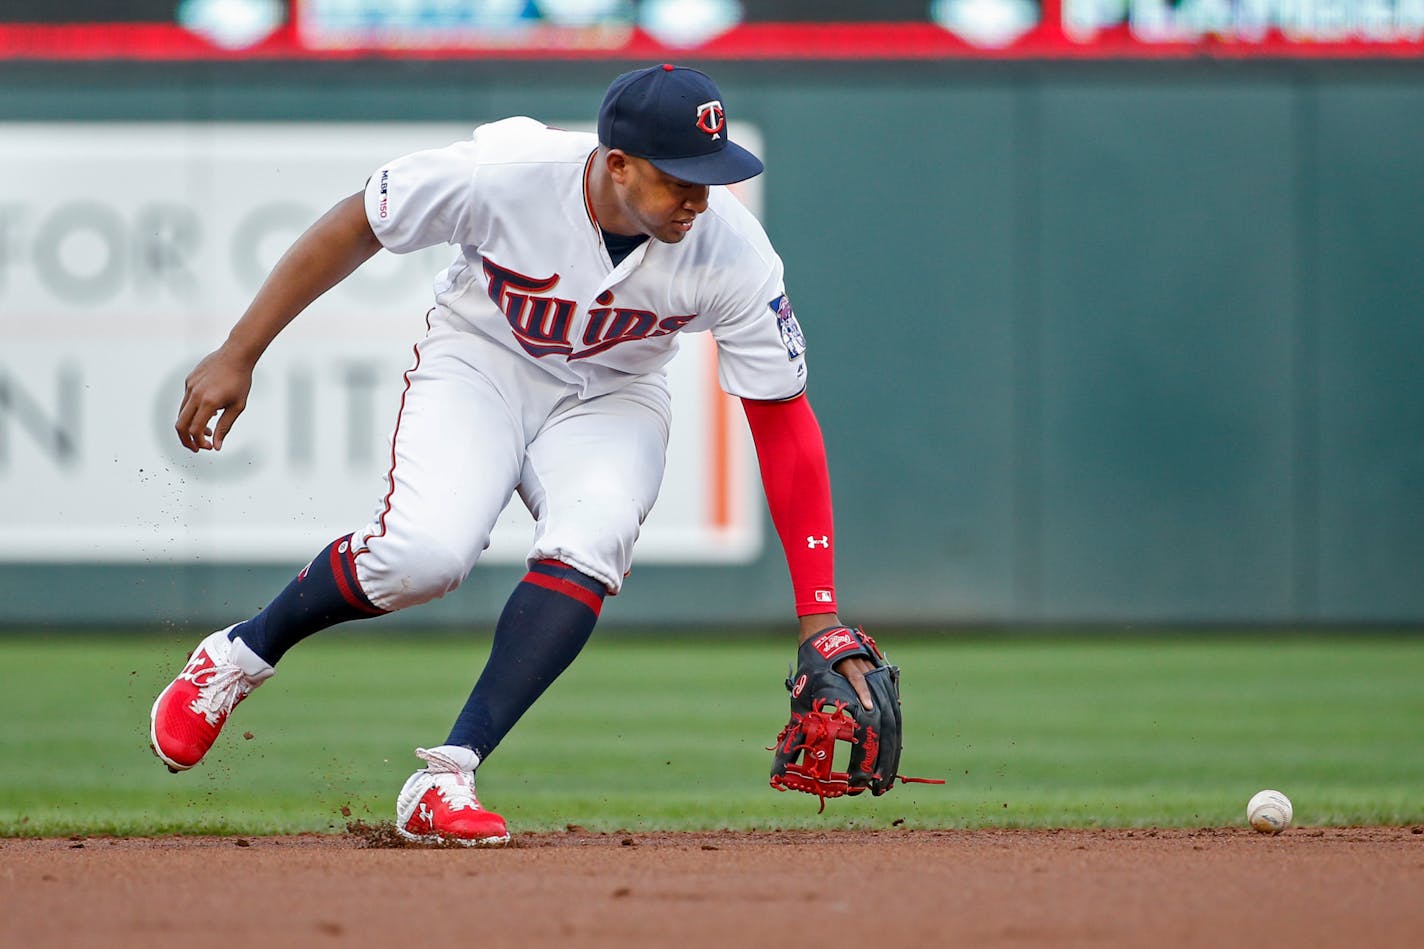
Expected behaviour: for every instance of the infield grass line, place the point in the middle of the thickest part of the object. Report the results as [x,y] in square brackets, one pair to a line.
[650,734]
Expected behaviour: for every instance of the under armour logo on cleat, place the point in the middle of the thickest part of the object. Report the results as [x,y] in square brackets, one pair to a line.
[814,542]
[426,817]
[198,665]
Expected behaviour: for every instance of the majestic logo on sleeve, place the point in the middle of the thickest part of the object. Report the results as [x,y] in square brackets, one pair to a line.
[787,326]
[542,325]
[711,118]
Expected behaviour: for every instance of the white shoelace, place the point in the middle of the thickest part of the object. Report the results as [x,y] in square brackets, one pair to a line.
[456,791]
[455,787]
[224,689]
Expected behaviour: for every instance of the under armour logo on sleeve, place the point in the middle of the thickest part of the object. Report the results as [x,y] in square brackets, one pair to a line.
[814,542]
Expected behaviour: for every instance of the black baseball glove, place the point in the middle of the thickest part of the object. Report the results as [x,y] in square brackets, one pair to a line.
[825,710]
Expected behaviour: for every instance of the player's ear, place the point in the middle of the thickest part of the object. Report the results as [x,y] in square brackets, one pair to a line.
[619,165]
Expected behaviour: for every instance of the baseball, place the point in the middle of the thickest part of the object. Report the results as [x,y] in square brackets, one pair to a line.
[1269,812]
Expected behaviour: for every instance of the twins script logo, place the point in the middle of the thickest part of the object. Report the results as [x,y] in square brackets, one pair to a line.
[543,324]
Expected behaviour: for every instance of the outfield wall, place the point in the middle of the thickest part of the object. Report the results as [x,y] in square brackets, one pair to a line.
[1124,343]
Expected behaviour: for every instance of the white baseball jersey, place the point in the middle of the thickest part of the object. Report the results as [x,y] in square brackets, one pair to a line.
[543,371]
[532,273]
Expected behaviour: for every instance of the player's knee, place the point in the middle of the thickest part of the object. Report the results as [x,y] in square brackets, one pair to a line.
[413,570]
[599,542]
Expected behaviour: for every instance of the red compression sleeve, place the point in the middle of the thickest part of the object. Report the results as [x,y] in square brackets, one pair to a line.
[797,482]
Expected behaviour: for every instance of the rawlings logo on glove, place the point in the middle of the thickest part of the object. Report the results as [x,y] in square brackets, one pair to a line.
[825,710]
[835,644]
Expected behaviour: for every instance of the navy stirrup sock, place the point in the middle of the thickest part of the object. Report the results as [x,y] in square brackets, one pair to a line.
[544,626]
[322,595]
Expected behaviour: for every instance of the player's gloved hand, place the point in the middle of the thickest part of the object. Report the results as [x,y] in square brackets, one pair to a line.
[825,709]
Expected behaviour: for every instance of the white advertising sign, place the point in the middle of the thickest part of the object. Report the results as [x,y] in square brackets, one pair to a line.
[127,250]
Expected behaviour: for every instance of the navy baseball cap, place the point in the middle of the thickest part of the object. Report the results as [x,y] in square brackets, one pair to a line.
[673,117]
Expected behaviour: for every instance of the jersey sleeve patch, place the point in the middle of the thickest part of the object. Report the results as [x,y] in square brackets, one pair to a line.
[786,325]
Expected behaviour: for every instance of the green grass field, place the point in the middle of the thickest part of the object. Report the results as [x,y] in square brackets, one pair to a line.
[646,734]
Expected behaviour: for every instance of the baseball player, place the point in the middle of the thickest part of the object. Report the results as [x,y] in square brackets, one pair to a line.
[579,261]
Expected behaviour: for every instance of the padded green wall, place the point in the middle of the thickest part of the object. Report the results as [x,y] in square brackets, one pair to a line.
[1127,343]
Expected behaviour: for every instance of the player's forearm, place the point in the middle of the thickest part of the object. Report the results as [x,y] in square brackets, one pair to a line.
[325,254]
[813,623]
[796,478]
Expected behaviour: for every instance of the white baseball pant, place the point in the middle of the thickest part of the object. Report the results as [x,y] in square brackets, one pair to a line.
[478,422]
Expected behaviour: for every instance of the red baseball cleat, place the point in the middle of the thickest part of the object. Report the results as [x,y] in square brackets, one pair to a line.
[438,804]
[188,715]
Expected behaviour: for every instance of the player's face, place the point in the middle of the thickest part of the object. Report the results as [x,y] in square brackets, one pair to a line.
[658,204]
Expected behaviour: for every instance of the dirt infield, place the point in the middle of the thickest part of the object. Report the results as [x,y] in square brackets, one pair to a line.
[1223,887]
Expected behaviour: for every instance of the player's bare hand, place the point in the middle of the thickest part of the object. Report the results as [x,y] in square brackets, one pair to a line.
[217,386]
[854,669]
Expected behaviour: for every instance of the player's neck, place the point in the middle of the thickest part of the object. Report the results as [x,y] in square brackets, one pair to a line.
[603,204]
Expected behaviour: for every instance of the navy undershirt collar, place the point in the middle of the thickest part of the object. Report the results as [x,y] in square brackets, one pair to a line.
[620,246]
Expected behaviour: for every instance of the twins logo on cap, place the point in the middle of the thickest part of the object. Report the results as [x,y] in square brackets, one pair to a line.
[711,118]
